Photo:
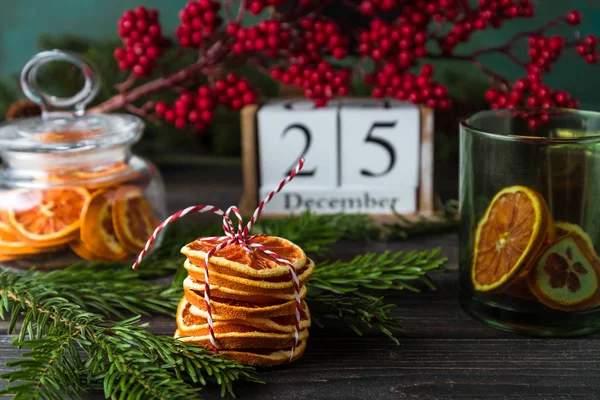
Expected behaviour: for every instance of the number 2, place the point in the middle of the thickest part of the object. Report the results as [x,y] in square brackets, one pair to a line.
[371,138]
[308,140]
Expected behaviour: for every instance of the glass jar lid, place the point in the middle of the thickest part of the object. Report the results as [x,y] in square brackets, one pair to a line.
[64,127]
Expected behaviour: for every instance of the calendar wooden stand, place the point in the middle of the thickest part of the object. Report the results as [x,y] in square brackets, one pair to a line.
[424,190]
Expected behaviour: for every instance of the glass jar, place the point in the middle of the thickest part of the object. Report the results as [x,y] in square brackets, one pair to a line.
[529,220]
[70,188]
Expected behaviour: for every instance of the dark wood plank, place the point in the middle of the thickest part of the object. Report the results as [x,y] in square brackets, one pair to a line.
[360,368]
[443,353]
[436,369]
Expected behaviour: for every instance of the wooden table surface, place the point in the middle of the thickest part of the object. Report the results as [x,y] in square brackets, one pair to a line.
[442,354]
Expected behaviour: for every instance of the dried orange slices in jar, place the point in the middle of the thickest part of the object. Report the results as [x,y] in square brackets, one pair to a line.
[102,225]
[512,231]
[65,174]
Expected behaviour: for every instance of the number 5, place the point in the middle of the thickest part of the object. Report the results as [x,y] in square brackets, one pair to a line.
[371,138]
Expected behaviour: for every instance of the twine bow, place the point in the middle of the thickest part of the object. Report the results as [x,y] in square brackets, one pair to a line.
[240,237]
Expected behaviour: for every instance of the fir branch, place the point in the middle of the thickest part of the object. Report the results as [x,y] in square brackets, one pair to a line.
[114,291]
[42,371]
[353,311]
[131,361]
[387,271]
[127,373]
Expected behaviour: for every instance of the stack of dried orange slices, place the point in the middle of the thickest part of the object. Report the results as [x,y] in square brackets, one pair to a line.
[105,221]
[521,251]
[251,300]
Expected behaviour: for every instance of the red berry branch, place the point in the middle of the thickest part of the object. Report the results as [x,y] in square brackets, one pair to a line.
[302,43]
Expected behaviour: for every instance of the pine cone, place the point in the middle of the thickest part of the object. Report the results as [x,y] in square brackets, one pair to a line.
[22,109]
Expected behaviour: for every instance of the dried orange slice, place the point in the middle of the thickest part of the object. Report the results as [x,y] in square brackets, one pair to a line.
[12,247]
[132,218]
[94,178]
[79,248]
[97,231]
[565,228]
[510,234]
[67,136]
[566,275]
[236,261]
[47,217]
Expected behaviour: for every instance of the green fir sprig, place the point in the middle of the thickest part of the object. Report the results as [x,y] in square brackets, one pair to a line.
[112,290]
[132,362]
[355,312]
[385,271]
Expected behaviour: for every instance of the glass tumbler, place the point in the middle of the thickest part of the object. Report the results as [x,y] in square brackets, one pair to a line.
[530,220]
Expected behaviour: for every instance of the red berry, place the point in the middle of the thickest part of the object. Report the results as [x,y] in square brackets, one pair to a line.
[367,8]
[180,123]
[574,17]
[561,97]
[236,104]
[440,91]
[232,29]
[590,40]
[427,70]
[138,70]
[534,124]
[206,115]
[160,108]
[193,116]
[249,98]
[532,102]
[491,95]
[591,58]
[120,53]
[152,52]
[557,43]
[169,115]
[445,104]
[141,12]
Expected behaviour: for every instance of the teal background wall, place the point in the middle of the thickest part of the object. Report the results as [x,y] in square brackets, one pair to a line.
[21,23]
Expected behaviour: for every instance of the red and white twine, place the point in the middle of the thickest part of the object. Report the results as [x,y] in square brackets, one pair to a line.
[238,237]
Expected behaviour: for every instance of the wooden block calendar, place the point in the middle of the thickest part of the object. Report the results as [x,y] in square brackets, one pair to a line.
[364,156]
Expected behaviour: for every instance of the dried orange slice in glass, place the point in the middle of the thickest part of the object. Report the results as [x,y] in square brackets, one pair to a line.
[97,231]
[512,231]
[94,178]
[132,218]
[46,217]
[79,248]
[11,245]
[565,276]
